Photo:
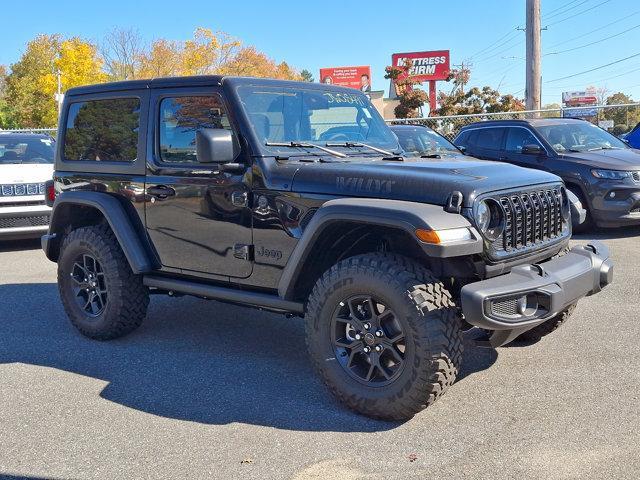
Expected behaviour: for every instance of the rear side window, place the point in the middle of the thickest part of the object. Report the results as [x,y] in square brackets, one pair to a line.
[518,138]
[489,138]
[103,130]
[180,118]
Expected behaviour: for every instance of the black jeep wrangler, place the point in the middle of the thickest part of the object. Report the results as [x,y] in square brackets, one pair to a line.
[295,198]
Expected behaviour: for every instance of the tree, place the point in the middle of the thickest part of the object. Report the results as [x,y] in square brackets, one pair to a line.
[624,118]
[6,114]
[79,64]
[411,99]
[121,52]
[30,105]
[251,62]
[307,76]
[161,60]
[477,100]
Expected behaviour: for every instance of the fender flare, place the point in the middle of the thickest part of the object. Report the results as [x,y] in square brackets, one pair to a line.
[403,215]
[115,214]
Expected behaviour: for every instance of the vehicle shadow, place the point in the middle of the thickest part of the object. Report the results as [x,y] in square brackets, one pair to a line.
[608,233]
[17,245]
[191,360]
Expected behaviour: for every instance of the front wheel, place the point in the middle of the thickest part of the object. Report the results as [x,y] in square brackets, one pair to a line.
[384,335]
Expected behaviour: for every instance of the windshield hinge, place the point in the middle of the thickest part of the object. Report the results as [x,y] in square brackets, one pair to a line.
[454,202]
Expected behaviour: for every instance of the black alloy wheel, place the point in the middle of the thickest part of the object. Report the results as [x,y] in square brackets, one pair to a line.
[89,285]
[368,340]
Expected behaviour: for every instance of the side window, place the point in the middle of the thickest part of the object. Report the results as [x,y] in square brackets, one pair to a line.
[463,139]
[103,130]
[489,138]
[180,118]
[518,138]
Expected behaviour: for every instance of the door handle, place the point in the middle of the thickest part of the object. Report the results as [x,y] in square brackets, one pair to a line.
[161,191]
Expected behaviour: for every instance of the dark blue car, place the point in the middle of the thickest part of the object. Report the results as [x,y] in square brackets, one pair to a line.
[633,137]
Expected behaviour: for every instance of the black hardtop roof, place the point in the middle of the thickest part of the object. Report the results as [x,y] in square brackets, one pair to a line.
[198,80]
[534,122]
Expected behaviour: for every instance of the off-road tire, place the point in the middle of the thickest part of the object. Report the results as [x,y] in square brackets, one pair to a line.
[551,325]
[434,342]
[128,298]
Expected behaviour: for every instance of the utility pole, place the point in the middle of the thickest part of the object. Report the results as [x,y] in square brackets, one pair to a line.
[533,74]
[59,97]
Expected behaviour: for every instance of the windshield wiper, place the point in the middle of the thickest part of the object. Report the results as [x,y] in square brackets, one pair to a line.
[305,145]
[359,144]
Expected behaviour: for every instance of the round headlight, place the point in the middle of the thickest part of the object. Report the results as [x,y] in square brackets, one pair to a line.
[483,216]
[490,219]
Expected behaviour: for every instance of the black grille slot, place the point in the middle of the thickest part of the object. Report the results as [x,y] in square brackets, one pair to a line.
[636,176]
[15,222]
[531,218]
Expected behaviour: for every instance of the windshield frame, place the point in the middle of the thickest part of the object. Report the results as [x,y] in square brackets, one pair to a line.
[617,144]
[26,138]
[289,151]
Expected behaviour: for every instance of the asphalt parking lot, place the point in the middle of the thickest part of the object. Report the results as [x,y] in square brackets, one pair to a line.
[205,389]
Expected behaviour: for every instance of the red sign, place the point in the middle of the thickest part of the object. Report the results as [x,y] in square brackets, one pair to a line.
[426,65]
[354,77]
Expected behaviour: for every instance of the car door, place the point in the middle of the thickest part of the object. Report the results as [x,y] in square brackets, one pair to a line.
[486,143]
[197,215]
[515,140]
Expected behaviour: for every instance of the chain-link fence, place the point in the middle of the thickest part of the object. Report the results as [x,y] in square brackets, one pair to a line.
[617,119]
[48,131]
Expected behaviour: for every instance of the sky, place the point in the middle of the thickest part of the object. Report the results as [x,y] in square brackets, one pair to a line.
[313,34]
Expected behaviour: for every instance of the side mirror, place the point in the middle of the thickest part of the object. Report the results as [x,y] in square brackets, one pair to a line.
[532,149]
[215,145]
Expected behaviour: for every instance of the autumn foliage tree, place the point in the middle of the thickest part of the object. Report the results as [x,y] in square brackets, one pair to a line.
[28,86]
[411,99]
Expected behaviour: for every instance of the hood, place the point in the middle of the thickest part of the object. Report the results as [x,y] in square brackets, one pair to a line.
[424,180]
[623,159]
[25,173]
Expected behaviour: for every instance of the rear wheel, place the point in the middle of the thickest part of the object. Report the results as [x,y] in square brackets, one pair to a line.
[384,335]
[101,296]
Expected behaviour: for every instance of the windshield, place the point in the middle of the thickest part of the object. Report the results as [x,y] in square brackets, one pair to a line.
[290,114]
[26,149]
[423,141]
[579,137]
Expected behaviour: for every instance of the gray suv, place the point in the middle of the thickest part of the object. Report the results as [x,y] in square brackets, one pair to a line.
[601,170]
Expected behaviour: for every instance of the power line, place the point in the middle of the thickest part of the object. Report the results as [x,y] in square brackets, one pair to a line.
[595,68]
[505,42]
[577,14]
[594,31]
[548,16]
[626,72]
[593,43]
[491,45]
[559,8]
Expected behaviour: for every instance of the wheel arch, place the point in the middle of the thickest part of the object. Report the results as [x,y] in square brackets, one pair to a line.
[78,209]
[346,227]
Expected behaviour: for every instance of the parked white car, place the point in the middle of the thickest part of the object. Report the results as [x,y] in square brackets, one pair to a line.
[26,163]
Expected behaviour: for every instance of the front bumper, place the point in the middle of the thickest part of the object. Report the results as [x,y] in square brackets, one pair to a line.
[531,294]
[23,221]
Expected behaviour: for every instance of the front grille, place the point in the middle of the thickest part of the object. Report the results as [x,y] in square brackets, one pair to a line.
[15,222]
[531,218]
[22,189]
[636,176]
